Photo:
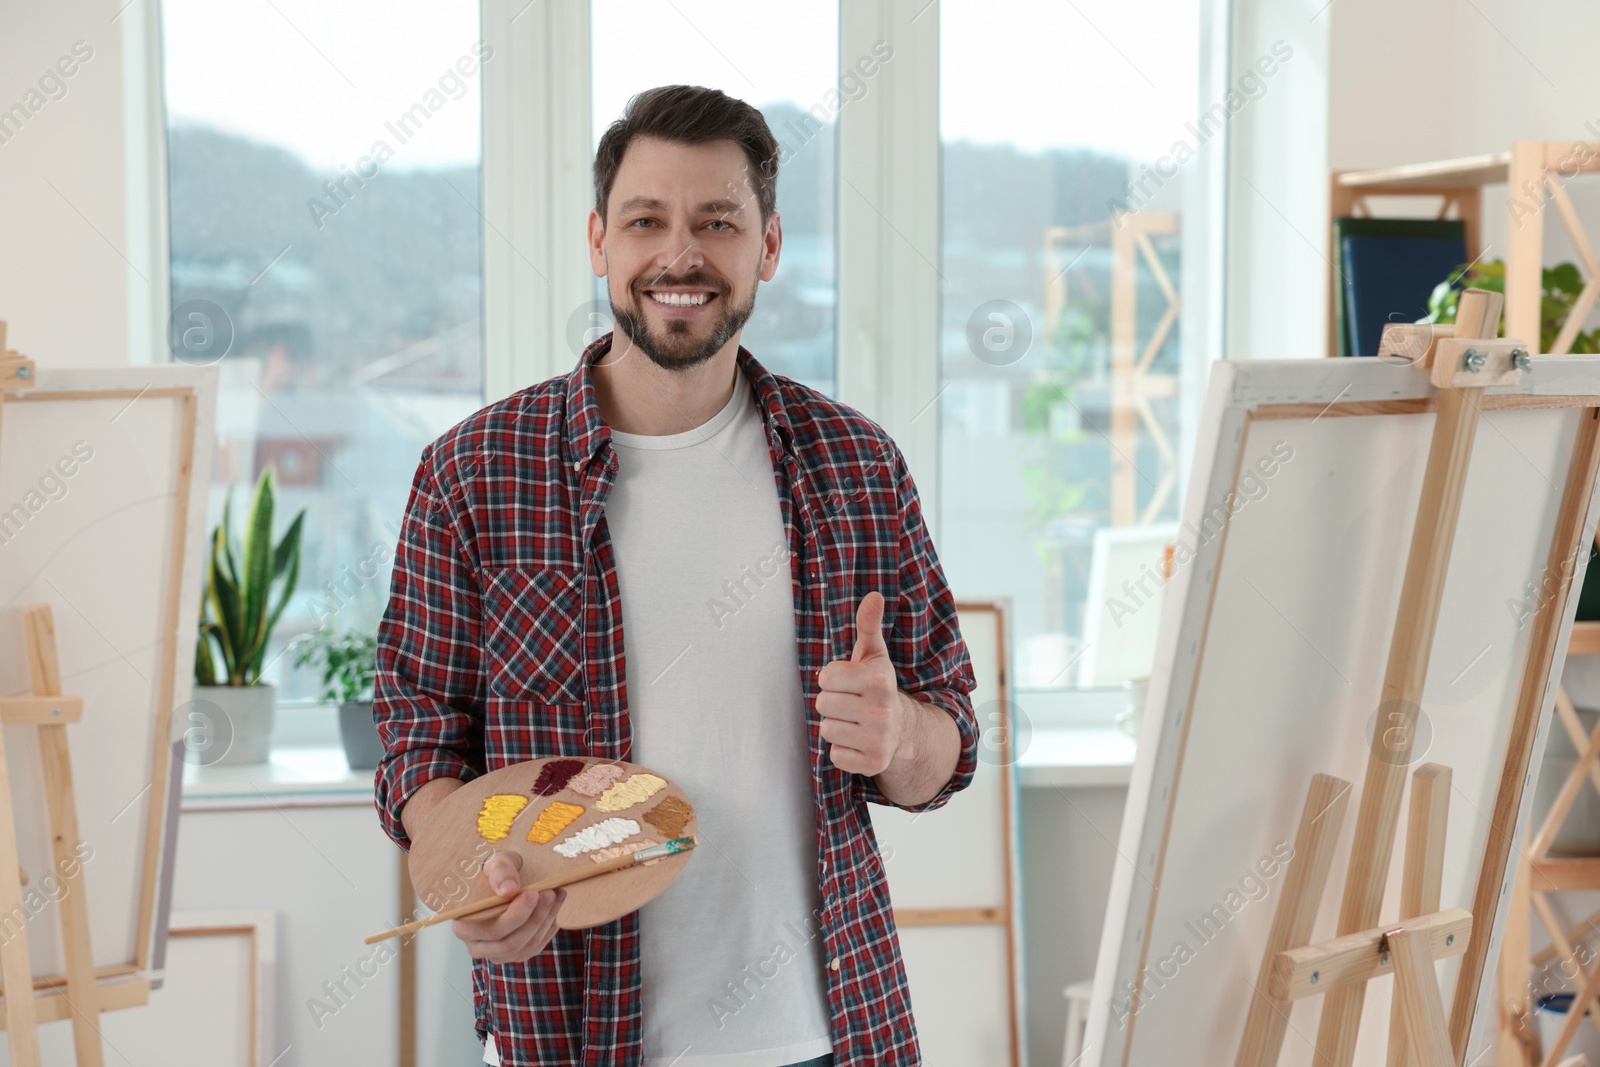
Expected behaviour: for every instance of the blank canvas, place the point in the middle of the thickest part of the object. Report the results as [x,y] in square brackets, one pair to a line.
[1270,663]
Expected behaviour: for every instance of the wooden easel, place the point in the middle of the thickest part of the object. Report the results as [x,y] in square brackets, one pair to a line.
[1463,362]
[1538,875]
[50,711]
[16,370]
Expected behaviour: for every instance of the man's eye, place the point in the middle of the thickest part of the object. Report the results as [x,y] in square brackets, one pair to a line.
[636,222]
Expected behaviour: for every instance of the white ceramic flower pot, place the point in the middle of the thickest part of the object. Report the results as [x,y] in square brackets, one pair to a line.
[242,728]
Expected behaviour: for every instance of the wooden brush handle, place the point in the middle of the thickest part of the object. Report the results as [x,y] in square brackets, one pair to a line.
[575,874]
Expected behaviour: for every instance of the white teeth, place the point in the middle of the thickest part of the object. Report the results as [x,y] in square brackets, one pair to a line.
[681,299]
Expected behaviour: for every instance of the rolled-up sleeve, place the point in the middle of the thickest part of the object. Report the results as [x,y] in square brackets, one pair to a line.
[930,658]
[428,699]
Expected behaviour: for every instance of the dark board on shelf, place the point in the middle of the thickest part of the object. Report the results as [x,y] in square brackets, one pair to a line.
[1387,270]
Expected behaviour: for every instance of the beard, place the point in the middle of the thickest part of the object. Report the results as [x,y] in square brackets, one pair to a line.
[676,348]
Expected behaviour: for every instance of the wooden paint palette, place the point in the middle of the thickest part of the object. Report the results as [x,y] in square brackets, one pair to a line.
[582,802]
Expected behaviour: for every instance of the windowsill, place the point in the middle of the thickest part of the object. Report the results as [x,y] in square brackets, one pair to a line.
[306,768]
[1062,756]
[1074,739]
[293,776]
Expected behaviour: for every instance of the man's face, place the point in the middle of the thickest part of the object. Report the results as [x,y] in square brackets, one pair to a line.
[682,248]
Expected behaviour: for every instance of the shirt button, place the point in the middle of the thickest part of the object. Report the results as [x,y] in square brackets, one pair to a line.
[834,966]
[577,464]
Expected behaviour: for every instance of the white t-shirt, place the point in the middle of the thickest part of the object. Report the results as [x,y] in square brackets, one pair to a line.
[731,951]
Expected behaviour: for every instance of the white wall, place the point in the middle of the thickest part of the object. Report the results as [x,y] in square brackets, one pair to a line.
[1377,83]
[1434,79]
[1440,79]
[75,275]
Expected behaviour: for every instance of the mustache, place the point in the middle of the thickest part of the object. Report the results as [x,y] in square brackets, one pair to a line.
[688,281]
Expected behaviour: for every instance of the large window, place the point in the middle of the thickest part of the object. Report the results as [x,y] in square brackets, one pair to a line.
[784,59]
[1060,348]
[326,251]
[324,183]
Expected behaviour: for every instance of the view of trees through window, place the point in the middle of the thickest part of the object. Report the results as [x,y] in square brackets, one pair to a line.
[326,257]
[326,253]
[1059,354]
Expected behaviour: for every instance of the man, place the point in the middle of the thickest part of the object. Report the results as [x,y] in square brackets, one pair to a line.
[792,649]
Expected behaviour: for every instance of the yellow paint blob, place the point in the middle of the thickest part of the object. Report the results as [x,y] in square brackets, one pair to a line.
[499,812]
[636,790]
[551,821]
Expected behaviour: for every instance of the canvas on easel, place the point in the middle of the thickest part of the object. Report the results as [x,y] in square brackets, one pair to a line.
[102,530]
[1275,688]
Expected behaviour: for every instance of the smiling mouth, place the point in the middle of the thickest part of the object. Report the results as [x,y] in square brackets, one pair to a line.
[670,299]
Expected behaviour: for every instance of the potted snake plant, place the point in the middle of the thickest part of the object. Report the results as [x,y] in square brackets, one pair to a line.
[247,586]
[349,665]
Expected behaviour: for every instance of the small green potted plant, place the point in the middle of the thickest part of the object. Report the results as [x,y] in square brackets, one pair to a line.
[247,586]
[1560,287]
[349,664]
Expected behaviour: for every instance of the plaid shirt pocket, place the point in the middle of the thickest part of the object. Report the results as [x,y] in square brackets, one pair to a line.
[533,634]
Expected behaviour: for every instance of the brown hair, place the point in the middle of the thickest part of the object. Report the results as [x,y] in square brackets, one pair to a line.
[691,114]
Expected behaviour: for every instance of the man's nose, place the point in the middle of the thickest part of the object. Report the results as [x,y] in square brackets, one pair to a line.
[682,253]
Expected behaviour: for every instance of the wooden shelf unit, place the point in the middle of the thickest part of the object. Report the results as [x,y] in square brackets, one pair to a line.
[1131,236]
[1585,640]
[1535,173]
[1541,874]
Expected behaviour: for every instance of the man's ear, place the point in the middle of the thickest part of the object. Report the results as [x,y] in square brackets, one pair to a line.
[597,249]
[771,245]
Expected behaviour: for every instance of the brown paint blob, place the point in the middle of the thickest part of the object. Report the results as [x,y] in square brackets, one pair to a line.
[669,816]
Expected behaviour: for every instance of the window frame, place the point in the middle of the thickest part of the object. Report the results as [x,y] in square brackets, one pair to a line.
[888,202]
[146,190]
[887,310]
[536,193]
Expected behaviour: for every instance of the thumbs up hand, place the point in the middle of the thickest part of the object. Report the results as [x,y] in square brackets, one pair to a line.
[863,714]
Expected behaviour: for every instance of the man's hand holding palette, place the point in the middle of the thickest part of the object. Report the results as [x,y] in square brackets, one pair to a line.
[613,833]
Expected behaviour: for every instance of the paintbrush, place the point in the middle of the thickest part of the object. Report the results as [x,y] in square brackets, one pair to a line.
[497,904]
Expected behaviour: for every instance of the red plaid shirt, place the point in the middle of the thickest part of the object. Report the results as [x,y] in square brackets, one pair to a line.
[502,642]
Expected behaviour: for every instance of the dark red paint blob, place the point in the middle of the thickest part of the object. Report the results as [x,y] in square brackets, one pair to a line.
[554,776]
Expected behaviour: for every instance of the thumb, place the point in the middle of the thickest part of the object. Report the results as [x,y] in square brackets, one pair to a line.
[869,629]
[503,871]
